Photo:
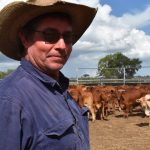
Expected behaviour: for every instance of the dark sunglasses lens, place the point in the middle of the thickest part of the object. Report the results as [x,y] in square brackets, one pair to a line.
[68,37]
[51,37]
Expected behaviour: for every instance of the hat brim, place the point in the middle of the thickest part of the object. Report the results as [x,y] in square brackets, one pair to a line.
[15,15]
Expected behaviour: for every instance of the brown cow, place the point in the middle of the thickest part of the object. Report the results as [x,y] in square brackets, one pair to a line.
[104,100]
[129,97]
[83,97]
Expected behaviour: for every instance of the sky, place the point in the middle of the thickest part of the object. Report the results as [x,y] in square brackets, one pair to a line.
[119,26]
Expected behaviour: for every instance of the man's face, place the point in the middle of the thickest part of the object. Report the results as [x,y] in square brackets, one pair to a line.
[49,56]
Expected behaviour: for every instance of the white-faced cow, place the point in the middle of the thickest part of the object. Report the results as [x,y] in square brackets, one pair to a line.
[145,103]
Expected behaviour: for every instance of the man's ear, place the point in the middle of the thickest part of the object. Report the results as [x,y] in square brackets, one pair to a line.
[24,40]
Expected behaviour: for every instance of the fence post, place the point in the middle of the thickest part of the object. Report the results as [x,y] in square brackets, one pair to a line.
[77,78]
[124,75]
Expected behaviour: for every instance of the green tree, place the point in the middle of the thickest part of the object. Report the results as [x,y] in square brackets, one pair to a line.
[114,65]
[3,74]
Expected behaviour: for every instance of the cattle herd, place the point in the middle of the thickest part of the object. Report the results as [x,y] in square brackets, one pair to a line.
[106,100]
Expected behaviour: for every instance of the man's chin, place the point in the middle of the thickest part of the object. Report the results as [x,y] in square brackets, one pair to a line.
[56,67]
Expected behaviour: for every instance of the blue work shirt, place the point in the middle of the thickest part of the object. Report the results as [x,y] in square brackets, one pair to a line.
[37,113]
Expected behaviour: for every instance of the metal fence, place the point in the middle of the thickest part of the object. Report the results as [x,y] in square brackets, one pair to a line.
[97,81]
[92,78]
[89,76]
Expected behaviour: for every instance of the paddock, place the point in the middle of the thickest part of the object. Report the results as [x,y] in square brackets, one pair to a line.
[118,133]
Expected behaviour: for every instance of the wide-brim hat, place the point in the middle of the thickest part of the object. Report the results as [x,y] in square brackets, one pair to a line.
[16,14]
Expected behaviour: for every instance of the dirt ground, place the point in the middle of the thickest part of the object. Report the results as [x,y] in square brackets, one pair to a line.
[118,133]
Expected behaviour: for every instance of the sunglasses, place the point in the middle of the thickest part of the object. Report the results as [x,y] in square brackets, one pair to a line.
[52,35]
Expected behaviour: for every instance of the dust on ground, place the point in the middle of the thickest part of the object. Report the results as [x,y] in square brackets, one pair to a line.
[118,133]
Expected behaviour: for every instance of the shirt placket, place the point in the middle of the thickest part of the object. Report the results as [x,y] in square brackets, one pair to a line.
[76,127]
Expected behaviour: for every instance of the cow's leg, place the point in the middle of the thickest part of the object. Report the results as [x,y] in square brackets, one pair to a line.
[92,111]
[120,105]
[103,112]
[106,112]
[126,112]
[100,112]
[93,115]
[114,107]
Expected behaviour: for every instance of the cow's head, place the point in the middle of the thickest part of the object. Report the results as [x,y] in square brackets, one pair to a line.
[144,101]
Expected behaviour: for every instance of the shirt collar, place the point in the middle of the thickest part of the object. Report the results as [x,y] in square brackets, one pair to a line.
[63,81]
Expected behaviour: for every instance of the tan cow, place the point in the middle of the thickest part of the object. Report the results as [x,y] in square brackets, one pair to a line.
[83,97]
[145,103]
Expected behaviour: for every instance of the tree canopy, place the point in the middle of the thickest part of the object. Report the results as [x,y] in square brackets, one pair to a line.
[115,65]
[3,74]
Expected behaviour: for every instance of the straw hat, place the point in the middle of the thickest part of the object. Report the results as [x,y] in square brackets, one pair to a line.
[16,14]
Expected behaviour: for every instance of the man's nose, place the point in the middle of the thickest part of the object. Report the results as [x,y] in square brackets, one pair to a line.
[61,43]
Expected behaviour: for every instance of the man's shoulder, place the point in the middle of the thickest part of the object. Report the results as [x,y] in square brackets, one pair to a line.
[13,82]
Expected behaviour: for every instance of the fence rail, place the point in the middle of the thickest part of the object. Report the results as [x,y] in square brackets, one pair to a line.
[96,81]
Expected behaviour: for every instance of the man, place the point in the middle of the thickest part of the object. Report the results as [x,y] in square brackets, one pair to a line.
[36,112]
